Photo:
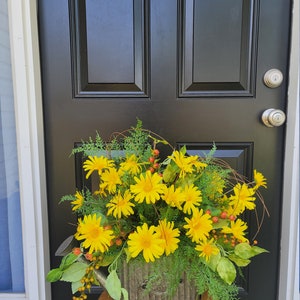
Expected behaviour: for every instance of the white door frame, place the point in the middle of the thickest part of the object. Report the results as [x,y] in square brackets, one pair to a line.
[30,140]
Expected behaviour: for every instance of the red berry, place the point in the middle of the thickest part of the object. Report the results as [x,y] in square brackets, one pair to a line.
[155,152]
[151,159]
[223,215]
[208,211]
[76,251]
[156,166]
[89,256]
[231,217]
[215,219]
[151,169]
[118,242]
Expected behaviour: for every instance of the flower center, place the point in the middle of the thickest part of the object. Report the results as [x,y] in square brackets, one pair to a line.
[146,243]
[94,233]
[148,186]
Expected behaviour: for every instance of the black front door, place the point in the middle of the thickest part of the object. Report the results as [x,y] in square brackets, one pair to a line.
[192,71]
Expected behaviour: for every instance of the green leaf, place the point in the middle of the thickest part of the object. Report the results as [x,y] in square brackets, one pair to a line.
[75,286]
[107,260]
[170,172]
[258,250]
[243,250]
[68,260]
[75,272]
[125,294]
[246,251]
[113,285]
[54,275]
[213,261]
[221,223]
[226,270]
[240,262]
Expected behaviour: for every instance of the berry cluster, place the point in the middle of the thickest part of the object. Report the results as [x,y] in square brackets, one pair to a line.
[88,279]
[153,160]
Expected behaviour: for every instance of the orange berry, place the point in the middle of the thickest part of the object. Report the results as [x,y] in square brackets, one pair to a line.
[76,251]
[155,152]
[89,256]
[215,219]
[119,242]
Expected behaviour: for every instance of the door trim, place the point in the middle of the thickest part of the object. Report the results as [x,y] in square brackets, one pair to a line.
[30,138]
[289,259]
[30,143]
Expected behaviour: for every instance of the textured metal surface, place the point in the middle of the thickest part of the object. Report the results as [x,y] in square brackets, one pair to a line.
[134,281]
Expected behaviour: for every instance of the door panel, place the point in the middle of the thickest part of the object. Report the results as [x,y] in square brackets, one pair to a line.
[190,70]
[226,49]
[114,41]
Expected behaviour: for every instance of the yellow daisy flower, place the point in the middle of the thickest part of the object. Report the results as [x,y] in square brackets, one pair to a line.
[145,240]
[111,179]
[237,228]
[243,198]
[78,202]
[169,235]
[207,248]
[131,165]
[173,197]
[120,205]
[198,226]
[184,163]
[95,237]
[197,163]
[260,180]
[192,198]
[95,163]
[147,188]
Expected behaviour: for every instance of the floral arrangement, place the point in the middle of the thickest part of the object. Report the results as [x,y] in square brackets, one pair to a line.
[184,211]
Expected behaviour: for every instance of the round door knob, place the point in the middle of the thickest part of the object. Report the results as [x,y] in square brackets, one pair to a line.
[273,78]
[273,117]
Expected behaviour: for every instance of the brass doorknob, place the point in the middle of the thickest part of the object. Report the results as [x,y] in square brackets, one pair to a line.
[273,117]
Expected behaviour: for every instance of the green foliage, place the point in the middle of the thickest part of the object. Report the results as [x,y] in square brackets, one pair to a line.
[74,272]
[114,288]
[134,140]
[137,140]
[190,189]
[90,146]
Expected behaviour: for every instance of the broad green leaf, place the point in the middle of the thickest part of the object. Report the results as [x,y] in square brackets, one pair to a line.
[128,255]
[103,217]
[75,286]
[213,261]
[258,250]
[226,270]
[54,275]
[68,260]
[113,285]
[183,150]
[75,272]
[240,262]
[107,260]
[221,223]
[170,172]
[243,250]
[246,251]
[125,294]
